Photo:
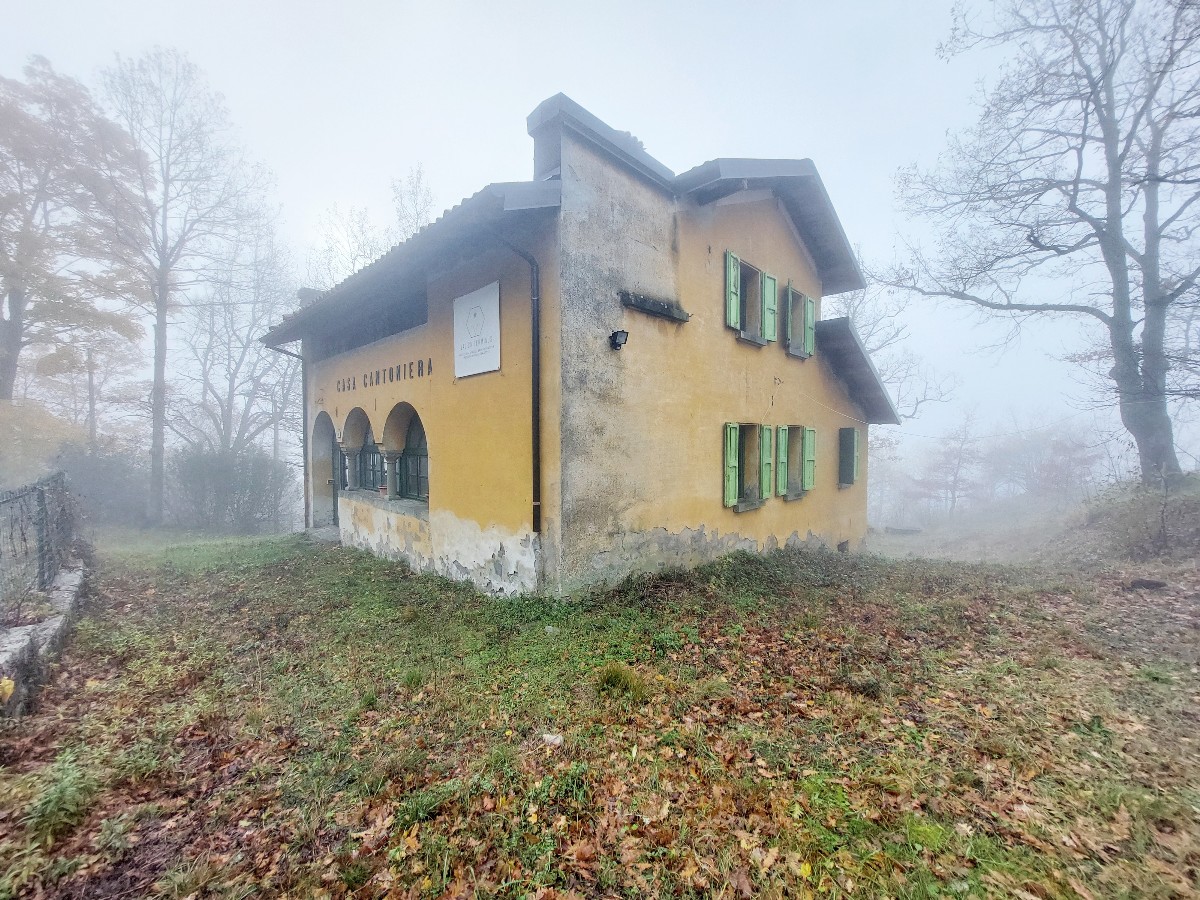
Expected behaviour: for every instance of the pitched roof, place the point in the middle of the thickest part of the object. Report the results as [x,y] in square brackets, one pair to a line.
[562,110]
[478,216]
[794,180]
[840,346]
[798,185]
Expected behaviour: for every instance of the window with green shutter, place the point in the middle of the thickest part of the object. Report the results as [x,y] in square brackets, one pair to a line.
[751,301]
[848,453]
[795,465]
[766,460]
[732,443]
[770,307]
[783,451]
[733,290]
[748,465]
[808,478]
[800,315]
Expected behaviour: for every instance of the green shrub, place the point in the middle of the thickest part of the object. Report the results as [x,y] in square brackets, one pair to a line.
[65,799]
[618,678]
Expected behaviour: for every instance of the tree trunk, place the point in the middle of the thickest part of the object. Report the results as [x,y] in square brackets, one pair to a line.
[10,343]
[91,415]
[158,406]
[1148,421]
[1143,406]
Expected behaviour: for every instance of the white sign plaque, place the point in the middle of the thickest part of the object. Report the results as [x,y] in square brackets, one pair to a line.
[477,331]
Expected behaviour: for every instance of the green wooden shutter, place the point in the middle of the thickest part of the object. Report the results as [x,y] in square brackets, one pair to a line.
[731,463]
[847,455]
[781,461]
[789,317]
[733,290]
[770,307]
[810,325]
[766,459]
[808,449]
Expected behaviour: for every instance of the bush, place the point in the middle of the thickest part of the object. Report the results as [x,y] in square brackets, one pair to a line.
[241,492]
[111,482]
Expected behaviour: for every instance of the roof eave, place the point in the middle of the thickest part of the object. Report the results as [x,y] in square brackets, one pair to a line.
[477,213]
[797,182]
[838,343]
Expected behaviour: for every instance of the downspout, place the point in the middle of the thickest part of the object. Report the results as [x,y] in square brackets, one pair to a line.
[535,328]
[303,428]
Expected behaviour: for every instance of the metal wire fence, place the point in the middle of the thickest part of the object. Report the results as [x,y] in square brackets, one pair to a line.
[37,528]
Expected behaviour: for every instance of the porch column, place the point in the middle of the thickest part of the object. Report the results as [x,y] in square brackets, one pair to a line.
[392,460]
[351,454]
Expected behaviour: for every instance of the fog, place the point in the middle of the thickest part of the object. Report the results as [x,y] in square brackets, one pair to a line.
[339,108]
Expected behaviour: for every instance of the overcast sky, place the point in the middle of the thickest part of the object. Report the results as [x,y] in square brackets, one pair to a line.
[339,99]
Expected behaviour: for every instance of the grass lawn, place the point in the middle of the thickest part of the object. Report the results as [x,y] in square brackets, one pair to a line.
[270,717]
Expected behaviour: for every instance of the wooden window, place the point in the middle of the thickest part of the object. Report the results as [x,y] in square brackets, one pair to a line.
[370,465]
[796,452]
[751,301]
[414,462]
[848,453]
[749,465]
[800,322]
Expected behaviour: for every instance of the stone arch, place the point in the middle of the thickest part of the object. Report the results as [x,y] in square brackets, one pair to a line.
[325,471]
[396,427]
[354,432]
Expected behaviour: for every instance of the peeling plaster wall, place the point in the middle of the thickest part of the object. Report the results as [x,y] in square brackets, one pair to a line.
[642,428]
[478,522]
[439,542]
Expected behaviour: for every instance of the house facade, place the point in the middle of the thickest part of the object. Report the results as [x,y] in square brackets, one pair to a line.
[607,369]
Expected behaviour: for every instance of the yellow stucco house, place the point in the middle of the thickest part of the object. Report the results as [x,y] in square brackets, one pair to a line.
[610,368]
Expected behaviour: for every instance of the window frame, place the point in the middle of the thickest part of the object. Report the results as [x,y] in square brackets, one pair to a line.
[748,452]
[795,449]
[371,463]
[849,457]
[749,289]
[804,345]
[412,460]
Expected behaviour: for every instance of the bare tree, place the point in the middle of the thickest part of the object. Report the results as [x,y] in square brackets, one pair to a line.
[1076,192]
[414,202]
[232,390]
[877,317]
[348,239]
[64,169]
[192,189]
[83,379]
[950,472]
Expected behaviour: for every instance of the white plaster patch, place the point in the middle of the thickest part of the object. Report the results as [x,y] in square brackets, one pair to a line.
[492,558]
[495,559]
[372,525]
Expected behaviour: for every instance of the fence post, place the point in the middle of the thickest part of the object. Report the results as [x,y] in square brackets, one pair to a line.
[42,523]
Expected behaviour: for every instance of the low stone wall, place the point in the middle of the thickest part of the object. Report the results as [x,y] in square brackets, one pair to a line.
[26,652]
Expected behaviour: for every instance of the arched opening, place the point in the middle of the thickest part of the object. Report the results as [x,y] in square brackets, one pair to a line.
[395,429]
[407,450]
[325,471]
[414,462]
[371,473]
[356,428]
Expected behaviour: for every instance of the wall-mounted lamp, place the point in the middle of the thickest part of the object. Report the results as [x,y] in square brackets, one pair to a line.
[617,339]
